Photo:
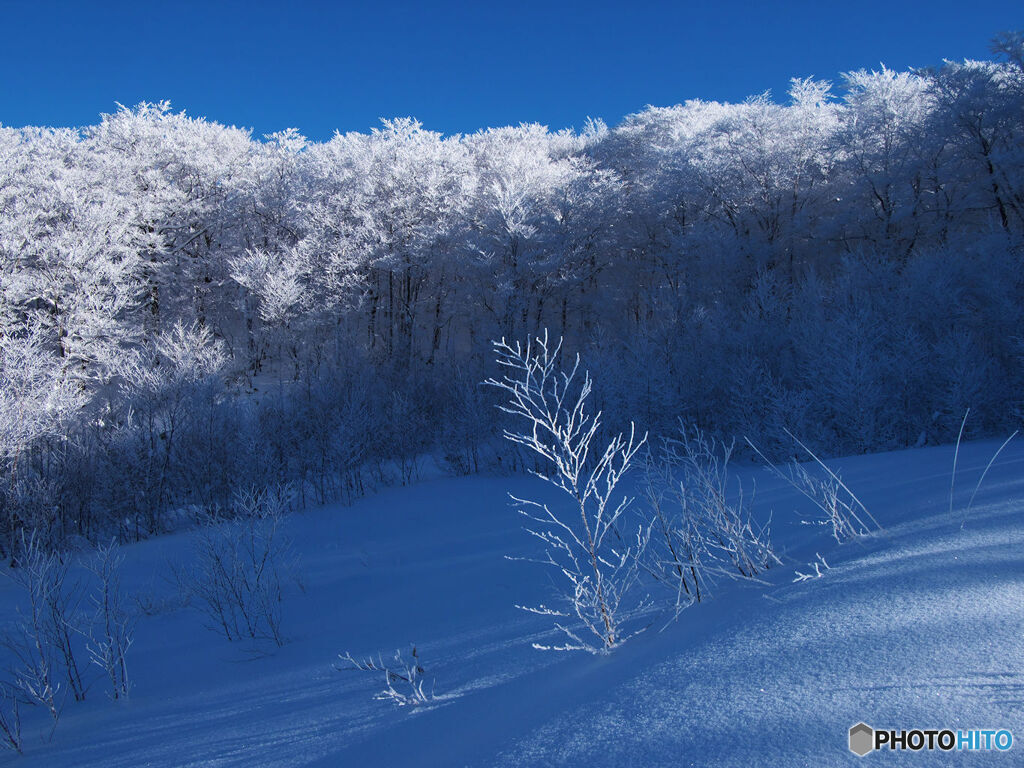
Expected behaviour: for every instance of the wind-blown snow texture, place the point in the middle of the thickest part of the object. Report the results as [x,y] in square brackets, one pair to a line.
[919,626]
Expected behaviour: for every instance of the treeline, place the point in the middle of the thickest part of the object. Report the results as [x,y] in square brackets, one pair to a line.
[186,311]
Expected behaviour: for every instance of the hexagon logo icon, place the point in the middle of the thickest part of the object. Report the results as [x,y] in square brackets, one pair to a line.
[862,739]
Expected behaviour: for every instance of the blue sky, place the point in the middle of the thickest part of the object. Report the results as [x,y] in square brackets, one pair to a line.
[457,66]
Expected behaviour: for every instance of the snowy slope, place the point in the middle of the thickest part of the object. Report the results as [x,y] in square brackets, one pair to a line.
[921,625]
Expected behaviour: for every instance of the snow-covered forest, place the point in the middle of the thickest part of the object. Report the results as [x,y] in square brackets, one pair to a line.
[187,310]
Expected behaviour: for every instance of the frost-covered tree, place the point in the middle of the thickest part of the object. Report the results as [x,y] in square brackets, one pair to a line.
[37,401]
[588,542]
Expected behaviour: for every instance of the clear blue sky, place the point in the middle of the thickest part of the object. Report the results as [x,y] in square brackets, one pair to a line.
[457,66]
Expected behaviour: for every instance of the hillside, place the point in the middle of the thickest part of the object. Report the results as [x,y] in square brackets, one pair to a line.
[918,626]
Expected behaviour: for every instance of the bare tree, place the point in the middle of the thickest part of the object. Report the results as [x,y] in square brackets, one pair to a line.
[582,543]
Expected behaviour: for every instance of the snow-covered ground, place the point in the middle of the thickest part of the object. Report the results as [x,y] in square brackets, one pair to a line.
[919,626]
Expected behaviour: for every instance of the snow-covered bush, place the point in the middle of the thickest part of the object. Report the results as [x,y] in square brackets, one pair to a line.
[820,565]
[838,509]
[240,569]
[43,644]
[404,677]
[584,541]
[836,506]
[676,554]
[111,631]
[702,521]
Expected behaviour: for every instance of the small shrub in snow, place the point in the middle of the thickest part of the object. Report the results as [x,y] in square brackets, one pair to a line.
[42,644]
[711,519]
[819,565]
[404,677]
[241,565]
[596,565]
[838,508]
[676,554]
[150,604]
[111,631]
